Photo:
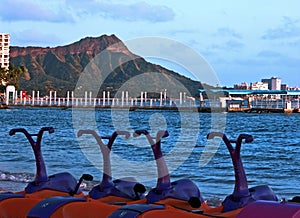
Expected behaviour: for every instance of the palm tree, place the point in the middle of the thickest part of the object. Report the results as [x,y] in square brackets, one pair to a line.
[10,76]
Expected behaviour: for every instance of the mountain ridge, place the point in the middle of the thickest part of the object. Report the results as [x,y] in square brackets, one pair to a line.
[86,44]
[59,68]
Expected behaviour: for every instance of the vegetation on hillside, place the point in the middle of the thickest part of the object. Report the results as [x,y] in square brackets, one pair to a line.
[10,76]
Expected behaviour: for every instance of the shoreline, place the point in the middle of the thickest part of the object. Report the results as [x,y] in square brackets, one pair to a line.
[164,108]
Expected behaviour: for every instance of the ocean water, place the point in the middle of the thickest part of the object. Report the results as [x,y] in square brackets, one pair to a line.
[272,158]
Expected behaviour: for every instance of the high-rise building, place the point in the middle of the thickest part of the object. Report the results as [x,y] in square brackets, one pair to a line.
[273,84]
[4,50]
[276,83]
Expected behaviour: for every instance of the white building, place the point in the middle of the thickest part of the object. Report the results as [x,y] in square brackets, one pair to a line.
[259,86]
[4,50]
[276,83]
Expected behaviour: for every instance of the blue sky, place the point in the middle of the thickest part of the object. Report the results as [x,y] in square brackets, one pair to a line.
[243,41]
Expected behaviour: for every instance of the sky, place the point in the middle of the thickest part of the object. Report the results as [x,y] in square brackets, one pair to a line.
[242,40]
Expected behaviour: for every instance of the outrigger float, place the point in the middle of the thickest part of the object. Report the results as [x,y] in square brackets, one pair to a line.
[59,195]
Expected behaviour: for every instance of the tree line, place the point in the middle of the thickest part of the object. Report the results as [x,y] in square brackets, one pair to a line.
[10,76]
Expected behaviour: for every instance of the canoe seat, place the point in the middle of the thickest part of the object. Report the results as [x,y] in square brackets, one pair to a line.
[134,210]
[47,206]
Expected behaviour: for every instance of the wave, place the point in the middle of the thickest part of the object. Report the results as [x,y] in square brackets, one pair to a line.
[15,177]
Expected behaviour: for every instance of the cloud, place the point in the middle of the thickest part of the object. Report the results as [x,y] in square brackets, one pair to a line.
[271,60]
[227,32]
[250,69]
[230,45]
[287,29]
[294,44]
[140,11]
[274,58]
[181,32]
[22,10]
[268,54]
[34,37]
[228,40]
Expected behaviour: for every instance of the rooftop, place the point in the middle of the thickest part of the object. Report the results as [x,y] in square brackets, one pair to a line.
[252,92]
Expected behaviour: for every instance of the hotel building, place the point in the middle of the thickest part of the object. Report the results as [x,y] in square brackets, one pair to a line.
[273,84]
[4,50]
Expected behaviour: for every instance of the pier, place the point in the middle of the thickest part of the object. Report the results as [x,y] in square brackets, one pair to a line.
[264,110]
[183,103]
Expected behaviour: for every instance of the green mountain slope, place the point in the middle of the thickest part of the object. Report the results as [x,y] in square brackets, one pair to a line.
[60,67]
